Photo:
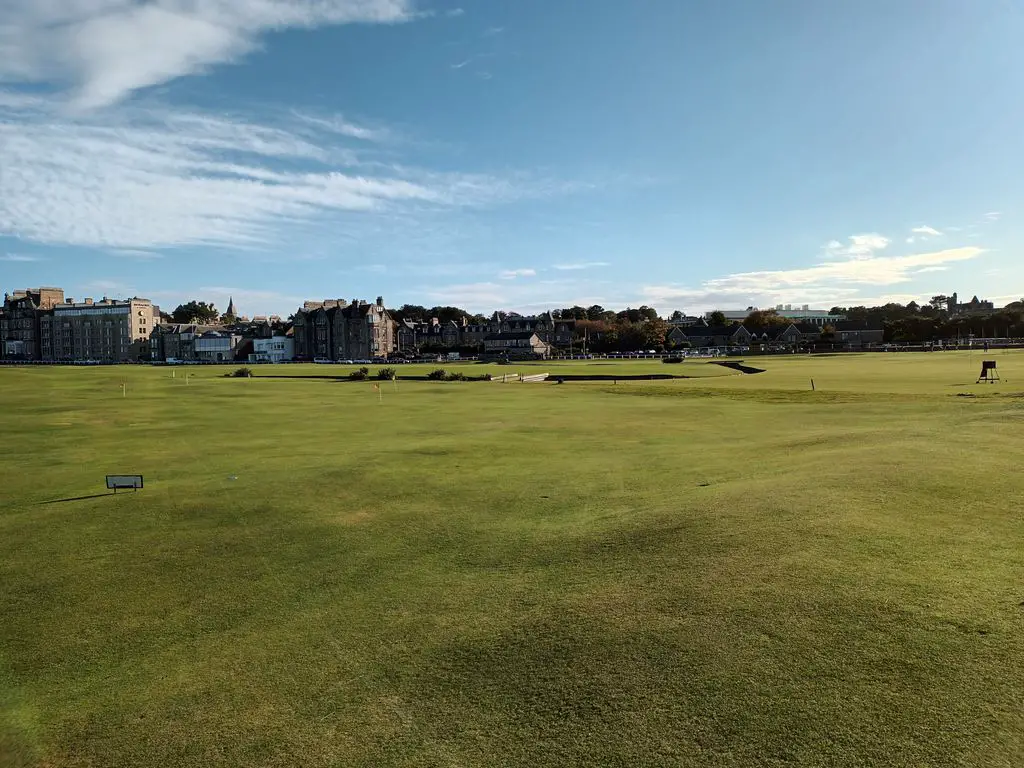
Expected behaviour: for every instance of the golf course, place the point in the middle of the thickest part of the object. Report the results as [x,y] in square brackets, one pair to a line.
[726,569]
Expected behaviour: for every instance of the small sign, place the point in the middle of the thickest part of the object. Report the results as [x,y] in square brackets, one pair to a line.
[124,481]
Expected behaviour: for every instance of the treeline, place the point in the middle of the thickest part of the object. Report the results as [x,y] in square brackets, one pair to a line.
[920,323]
[605,330]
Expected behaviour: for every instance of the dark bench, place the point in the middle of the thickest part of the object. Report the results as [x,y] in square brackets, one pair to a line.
[114,482]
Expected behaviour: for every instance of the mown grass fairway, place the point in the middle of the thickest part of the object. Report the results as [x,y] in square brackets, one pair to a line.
[726,571]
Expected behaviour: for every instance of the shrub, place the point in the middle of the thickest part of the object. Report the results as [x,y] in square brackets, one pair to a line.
[437,375]
[672,360]
[361,375]
[387,374]
[455,376]
[241,373]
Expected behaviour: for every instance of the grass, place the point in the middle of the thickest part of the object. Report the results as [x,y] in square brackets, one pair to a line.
[727,571]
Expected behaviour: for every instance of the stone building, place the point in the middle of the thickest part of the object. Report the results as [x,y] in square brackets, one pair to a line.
[108,330]
[20,322]
[708,336]
[339,330]
[411,336]
[973,307]
[520,345]
[177,341]
[551,330]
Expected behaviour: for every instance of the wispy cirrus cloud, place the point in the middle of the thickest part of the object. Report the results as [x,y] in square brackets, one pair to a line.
[339,125]
[106,49]
[142,178]
[19,257]
[135,253]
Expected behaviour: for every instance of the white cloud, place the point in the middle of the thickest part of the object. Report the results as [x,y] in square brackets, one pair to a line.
[923,233]
[826,282]
[581,265]
[142,178]
[992,216]
[859,247]
[20,257]
[454,12]
[512,274]
[107,49]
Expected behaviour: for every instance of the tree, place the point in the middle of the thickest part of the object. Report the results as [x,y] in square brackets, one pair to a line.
[654,332]
[195,312]
[939,303]
[761,318]
[717,318]
[411,312]
[676,317]
[447,314]
[571,313]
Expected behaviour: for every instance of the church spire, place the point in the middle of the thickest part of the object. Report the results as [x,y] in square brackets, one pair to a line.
[231,308]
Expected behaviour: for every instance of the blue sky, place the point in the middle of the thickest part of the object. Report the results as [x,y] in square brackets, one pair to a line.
[513,155]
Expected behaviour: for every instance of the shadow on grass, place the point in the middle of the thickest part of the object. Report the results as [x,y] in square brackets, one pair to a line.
[78,498]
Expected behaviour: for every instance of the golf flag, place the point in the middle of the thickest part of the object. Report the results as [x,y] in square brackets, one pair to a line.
[377,387]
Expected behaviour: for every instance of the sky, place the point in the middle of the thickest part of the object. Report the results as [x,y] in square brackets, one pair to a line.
[513,155]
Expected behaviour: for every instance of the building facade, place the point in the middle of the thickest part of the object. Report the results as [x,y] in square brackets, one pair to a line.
[276,349]
[973,307]
[859,335]
[709,336]
[108,330]
[521,345]
[435,335]
[176,341]
[21,322]
[338,330]
[216,346]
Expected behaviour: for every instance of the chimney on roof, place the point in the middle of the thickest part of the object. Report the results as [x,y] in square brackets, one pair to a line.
[380,302]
